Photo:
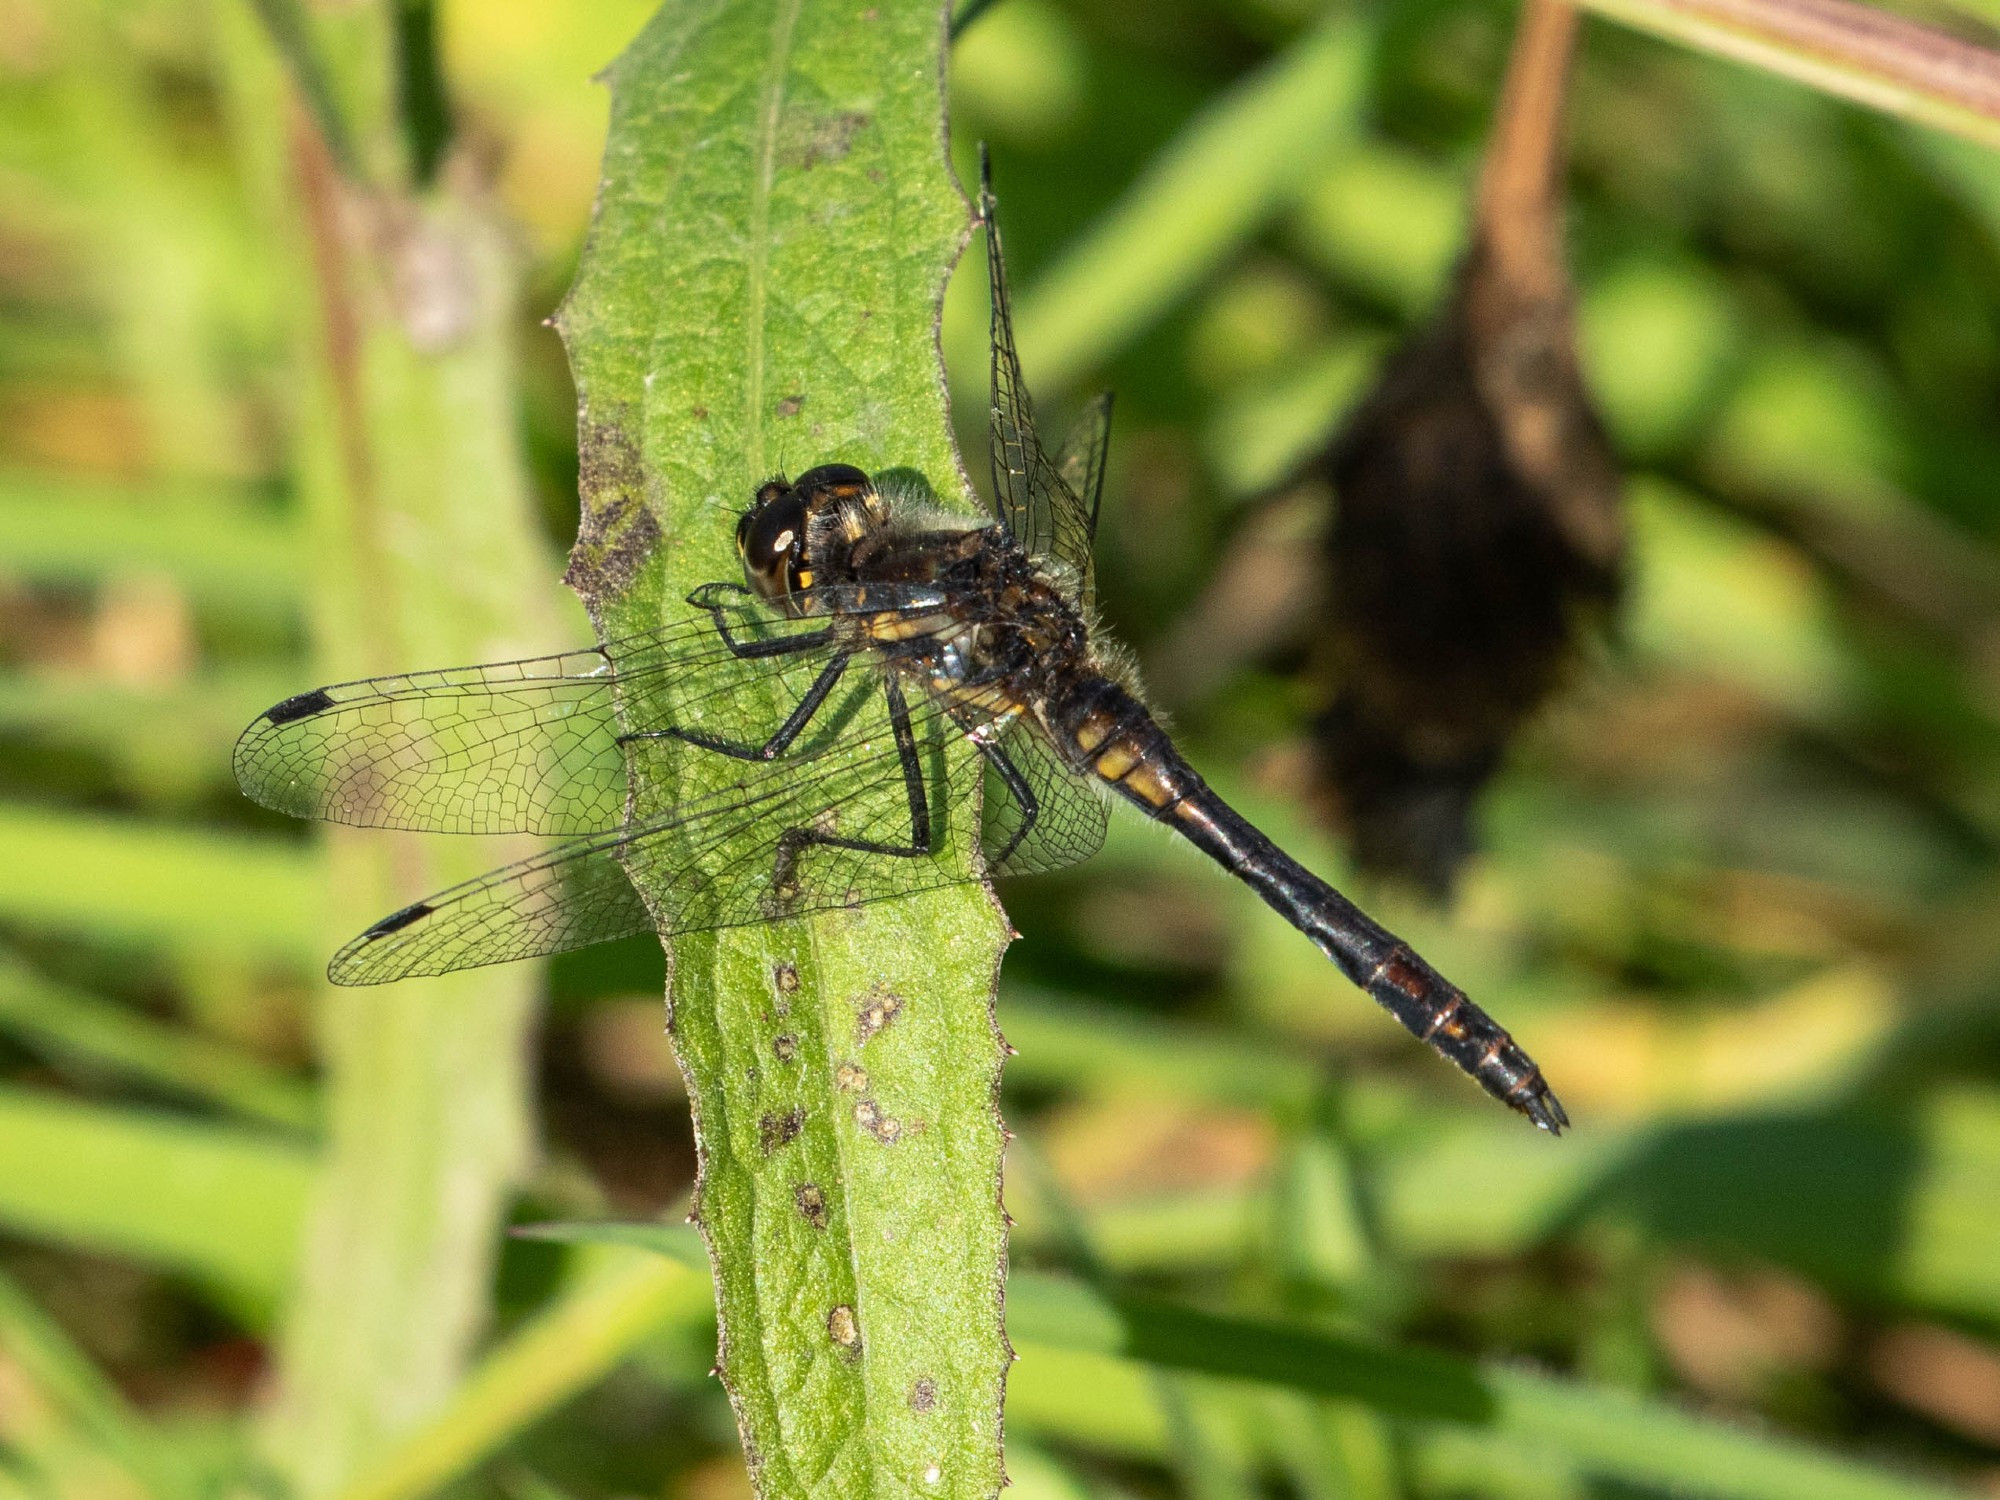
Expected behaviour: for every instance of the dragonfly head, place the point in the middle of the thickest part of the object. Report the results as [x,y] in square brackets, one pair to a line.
[774,537]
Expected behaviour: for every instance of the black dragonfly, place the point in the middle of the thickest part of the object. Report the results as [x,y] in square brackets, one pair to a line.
[893,700]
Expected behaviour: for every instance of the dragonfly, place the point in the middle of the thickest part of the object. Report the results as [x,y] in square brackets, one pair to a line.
[892,699]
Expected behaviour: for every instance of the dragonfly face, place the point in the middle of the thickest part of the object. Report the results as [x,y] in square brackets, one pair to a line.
[787,527]
[963,656]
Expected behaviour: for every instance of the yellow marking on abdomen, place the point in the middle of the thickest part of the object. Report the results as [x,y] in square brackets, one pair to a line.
[1115,761]
[1094,731]
[1145,784]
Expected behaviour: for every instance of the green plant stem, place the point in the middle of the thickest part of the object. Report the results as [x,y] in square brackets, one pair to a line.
[427,551]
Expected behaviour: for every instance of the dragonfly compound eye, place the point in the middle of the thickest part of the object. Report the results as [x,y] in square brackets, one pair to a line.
[772,538]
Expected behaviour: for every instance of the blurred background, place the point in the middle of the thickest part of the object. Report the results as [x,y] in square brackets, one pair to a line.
[1737,887]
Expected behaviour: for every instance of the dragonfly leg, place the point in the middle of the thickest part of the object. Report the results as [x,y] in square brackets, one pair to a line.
[793,842]
[815,698]
[1023,794]
[749,651]
[782,645]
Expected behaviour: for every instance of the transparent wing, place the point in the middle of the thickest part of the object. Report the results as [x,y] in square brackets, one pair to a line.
[1069,815]
[568,897]
[524,746]
[1081,461]
[1032,499]
[751,844]
[530,746]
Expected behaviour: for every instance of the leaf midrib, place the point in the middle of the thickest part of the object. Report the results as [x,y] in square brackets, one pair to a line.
[784,23]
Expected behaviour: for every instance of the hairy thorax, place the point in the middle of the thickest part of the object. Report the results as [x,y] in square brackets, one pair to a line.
[1001,635]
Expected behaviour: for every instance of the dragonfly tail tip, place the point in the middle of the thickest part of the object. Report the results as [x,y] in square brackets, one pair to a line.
[1545,1110]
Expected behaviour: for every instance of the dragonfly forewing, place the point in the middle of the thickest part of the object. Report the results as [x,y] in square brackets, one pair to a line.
[515,747]
[532,746]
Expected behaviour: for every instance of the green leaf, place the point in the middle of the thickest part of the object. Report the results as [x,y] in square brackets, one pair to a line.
[761,291]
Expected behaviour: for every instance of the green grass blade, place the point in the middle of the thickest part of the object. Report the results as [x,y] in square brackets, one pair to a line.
[1853,51]
[291,30]
[1611,1434]
[1263,436]
[761,291]
[98,1037]
[175,281]
[221,1203]
[1206,193]
[1887,1206]
[1207,1470]
[1067,1041]
[190,725]
[619,1302]
[187,890]
[94,1442]
[217,545]
[1618,1436]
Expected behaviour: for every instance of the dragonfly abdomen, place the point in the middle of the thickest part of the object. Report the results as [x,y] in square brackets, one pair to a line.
[1107,731]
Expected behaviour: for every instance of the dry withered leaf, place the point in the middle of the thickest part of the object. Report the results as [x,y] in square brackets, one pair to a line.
[1478,529]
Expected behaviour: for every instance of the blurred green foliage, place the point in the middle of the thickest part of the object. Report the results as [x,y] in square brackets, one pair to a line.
[1739,893]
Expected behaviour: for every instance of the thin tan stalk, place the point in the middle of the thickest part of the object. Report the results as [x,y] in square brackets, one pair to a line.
[1519,208]
[1855,51]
